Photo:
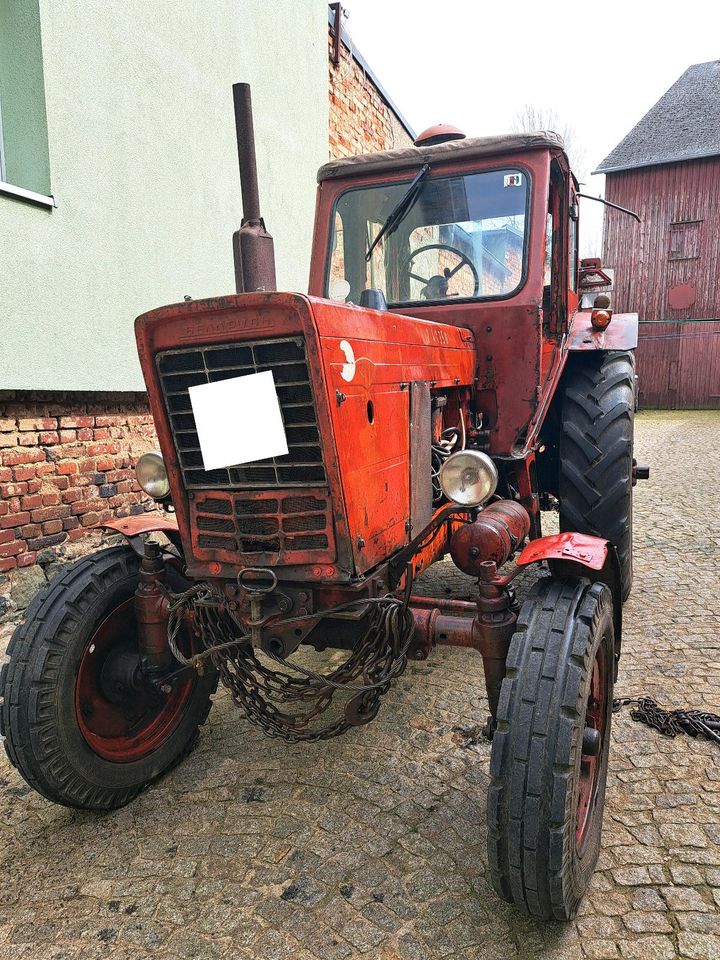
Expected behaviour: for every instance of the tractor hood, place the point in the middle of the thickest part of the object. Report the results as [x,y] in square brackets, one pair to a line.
[340,499]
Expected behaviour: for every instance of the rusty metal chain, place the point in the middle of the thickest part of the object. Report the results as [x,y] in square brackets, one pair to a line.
[286,703]
[694,723]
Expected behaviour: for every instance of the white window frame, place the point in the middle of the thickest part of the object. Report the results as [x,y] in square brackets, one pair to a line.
[2,149]
[20,193]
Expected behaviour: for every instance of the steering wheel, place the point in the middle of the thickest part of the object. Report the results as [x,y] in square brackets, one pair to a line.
[436,287]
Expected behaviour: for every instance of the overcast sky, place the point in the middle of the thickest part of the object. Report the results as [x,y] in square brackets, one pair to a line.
[474,64]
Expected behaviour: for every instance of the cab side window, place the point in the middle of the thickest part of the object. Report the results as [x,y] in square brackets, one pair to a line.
[554,292]
[547,268]
[573,247]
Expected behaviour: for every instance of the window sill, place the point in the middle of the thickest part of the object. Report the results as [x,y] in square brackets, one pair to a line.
[28,196]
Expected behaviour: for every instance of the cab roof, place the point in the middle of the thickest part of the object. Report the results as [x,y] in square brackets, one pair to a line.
[468,148]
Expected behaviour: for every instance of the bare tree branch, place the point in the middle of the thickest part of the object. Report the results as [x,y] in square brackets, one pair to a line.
[532,117]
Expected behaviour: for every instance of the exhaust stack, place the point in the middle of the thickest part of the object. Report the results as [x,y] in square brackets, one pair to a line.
[253,248]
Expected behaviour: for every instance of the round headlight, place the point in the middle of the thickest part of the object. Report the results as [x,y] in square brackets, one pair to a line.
[152,475]
[469,477]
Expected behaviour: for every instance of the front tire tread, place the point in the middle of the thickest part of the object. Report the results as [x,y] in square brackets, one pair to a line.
[30,679]
[528,856]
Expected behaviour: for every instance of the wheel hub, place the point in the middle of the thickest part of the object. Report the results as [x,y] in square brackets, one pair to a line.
[593,739]
[121,675]
[123,716]
[591,742]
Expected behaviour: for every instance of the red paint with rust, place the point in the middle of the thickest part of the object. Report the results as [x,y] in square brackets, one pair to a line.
[433,627]
[446,605]
[620,334]
[151,610]
[589,551]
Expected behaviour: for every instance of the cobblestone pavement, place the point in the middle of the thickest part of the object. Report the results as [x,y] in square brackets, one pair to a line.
[374,845]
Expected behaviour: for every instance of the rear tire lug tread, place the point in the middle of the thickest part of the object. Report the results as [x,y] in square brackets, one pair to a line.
[598,405]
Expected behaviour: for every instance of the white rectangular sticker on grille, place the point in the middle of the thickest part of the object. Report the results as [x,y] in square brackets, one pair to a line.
[238,420]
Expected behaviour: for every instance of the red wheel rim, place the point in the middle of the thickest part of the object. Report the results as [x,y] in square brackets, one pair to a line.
[591,764]
[134,728]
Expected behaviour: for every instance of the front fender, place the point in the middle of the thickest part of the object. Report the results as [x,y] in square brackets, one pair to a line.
[580,555]
[134,528]
[591,552]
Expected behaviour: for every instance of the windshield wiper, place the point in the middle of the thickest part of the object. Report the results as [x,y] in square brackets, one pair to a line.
[401,208]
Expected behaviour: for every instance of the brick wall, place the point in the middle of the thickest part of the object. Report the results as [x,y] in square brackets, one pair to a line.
[66,464]
[360,120]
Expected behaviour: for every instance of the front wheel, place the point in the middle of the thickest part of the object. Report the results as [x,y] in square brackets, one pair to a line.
[80,724]
[550,750]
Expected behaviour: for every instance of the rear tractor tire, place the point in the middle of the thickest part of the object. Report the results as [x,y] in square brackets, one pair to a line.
[76,735]
[549,757]
[596,455]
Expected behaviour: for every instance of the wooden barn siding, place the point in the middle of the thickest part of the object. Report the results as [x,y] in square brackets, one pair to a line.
[639,252]
[678,365]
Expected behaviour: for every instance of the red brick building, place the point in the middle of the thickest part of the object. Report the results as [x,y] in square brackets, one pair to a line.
[67,459]
[363,117]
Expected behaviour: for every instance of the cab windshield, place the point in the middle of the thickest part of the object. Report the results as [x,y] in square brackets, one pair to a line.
[463,238]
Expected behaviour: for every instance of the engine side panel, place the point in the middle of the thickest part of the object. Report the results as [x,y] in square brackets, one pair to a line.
[370,360]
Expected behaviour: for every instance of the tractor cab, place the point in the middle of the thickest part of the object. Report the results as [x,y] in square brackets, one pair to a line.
[458,231]
[479,233]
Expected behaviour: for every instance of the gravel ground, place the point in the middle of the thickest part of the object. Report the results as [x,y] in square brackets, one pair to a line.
[374,844]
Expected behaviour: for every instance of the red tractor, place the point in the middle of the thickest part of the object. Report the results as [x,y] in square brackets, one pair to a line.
[436,390]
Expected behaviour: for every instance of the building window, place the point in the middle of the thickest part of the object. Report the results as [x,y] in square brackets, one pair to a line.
[24,156]
[685,240]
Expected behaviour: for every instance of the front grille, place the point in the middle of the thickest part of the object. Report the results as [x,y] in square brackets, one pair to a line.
[264,527]
[286,358]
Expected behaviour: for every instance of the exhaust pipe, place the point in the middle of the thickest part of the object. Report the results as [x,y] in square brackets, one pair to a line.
[253,248]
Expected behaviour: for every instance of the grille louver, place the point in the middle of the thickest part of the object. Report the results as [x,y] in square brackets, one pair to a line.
[233,524]
[286,358]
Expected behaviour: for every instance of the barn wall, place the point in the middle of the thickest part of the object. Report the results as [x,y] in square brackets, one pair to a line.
[678,364]
[640,252]
[678,357]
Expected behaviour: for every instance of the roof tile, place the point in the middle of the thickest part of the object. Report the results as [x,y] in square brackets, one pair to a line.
[683,125]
